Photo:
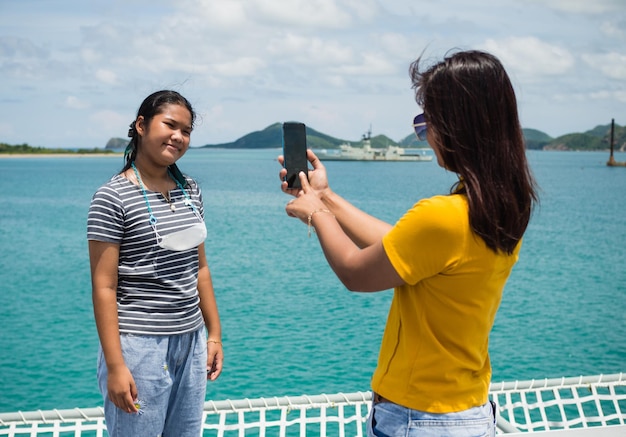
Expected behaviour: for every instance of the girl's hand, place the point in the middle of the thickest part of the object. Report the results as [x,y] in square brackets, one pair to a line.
[215,360]
[122,390]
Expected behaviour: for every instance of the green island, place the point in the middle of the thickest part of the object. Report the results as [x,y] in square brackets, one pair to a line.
[25,149]
[596,139]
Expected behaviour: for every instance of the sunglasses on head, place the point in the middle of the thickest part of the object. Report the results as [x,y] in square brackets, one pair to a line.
[419,124]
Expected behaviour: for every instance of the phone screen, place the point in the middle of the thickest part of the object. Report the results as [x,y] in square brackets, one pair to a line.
[294,152]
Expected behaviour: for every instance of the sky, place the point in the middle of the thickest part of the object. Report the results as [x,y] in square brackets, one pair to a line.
[74,72]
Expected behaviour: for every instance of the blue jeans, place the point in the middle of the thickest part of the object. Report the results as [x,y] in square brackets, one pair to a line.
[170,374]
[387,419]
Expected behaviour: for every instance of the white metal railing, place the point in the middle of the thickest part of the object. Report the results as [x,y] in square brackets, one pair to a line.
[524,406]
[562,403]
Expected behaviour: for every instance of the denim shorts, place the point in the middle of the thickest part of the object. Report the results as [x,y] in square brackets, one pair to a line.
[387,419]
[170,375]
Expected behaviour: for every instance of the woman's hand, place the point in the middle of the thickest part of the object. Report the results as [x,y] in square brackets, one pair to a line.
[317,177]
[306,201]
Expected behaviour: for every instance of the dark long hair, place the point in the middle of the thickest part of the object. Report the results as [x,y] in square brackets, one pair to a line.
[151,106]
[471,111]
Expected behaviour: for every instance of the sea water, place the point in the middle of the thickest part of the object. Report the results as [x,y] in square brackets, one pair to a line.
[289,326]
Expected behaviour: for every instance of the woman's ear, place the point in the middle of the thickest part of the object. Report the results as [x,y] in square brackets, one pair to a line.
[140,125]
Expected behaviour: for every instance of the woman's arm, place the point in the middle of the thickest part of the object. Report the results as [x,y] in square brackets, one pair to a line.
[362,228]
[104,259]
[367,269]
[359,269]
[208,306]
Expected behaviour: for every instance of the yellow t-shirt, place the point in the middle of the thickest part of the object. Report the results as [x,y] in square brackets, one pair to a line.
[434,352]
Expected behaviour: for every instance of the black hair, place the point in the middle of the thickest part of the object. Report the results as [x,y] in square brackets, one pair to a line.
[470,107]
[151,106]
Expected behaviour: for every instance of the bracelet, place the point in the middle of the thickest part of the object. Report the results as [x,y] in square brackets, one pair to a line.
[214,341]
[310,218]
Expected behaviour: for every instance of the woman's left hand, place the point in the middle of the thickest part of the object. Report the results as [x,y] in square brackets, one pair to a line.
[306,201]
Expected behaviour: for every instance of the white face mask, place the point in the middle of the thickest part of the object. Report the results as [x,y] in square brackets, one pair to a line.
[186,239]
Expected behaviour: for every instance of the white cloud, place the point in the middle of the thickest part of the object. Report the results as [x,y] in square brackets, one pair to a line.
[74,102]
[18,47]
[341,64]
[229,15]
[607,95]
[369,64]
[245,66]
[22,58]
[397,45]
[6,129]
[584,6]
[236,16]
[309,50]
[298,13]
[364,10]
[90,56]
[530,58]
[614,30]
[335,80]
[107,76]
[612,65]
[108,121]
[620,95]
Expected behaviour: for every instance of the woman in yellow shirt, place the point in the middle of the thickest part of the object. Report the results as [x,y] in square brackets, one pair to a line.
[448,258]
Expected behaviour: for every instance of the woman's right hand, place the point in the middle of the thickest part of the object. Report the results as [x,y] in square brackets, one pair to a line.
[122,389]
[317,177]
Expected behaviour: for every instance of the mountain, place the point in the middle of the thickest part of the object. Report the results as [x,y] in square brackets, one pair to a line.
[597,138]
[117,144]
[411,141]
[271,138]
[535,139]
[594,139]
[575,142]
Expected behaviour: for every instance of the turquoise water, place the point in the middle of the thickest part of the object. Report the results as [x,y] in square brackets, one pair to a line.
[290,328]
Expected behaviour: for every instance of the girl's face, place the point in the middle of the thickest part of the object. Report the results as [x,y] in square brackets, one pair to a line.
[165,139]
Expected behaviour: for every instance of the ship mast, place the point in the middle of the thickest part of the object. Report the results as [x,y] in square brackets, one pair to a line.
[368,135]
[612,162]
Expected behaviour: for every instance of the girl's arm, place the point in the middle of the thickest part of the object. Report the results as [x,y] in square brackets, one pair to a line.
[208,306]
[104,259]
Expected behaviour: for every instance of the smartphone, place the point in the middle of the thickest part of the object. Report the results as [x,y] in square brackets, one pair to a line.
[294,152]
